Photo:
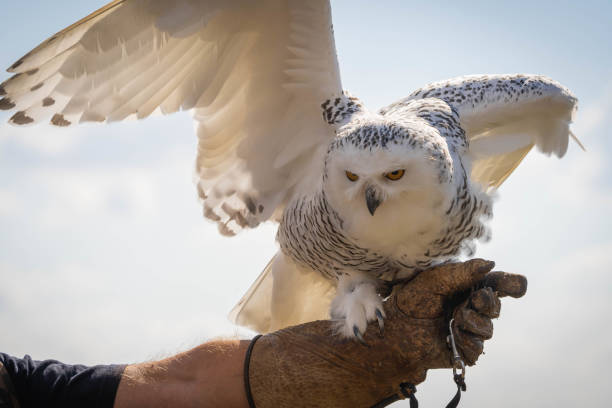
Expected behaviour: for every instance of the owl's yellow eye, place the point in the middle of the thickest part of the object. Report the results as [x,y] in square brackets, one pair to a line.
[352,176]
[395,175]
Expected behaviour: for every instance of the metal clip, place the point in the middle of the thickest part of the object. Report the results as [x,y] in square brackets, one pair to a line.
[458,363]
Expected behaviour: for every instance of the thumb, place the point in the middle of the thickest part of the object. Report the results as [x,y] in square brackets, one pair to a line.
[452,277]
[506,284]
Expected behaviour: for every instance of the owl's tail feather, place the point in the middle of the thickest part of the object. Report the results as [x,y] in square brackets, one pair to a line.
[284,294]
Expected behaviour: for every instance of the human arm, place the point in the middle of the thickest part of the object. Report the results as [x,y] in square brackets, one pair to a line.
[210,375]
[306,365]
[207,375]
[309,365]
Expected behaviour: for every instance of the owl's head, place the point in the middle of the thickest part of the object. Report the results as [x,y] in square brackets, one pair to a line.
[381,174]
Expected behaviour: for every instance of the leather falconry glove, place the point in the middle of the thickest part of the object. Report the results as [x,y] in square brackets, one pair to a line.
[311,366]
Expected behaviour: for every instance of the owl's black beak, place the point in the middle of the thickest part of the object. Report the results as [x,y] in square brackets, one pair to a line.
[372,199]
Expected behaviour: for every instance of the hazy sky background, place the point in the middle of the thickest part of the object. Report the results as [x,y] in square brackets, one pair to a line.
[105,257]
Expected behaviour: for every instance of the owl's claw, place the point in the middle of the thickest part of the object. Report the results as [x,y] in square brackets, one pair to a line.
[381,321]
[359,336]
[356,304]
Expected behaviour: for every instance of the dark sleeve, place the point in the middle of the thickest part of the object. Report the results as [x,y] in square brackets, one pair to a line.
[51,384]
[8,396]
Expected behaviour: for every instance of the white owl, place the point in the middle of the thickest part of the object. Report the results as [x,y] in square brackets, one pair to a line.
[362,198]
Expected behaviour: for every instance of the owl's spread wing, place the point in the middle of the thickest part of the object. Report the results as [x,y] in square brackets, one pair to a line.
[504,116]
[254,73]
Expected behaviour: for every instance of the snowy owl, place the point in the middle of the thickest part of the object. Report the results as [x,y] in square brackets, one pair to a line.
[361,197]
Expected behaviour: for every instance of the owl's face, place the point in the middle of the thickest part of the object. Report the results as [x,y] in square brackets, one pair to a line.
[386,184]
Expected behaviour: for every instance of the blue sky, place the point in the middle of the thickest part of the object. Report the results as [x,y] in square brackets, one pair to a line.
[104,255]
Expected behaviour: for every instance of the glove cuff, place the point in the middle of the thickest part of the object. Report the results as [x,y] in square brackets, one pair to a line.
[309,365]
[247,365]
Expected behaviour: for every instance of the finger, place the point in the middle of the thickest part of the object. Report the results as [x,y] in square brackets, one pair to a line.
[473,322]
[486,302]
[471,346]
[506,284]
[452,277]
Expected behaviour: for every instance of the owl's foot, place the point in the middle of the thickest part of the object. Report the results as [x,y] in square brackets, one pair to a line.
[356,304]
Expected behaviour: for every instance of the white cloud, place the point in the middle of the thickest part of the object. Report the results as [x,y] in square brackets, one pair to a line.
[121,192]
[592,117]
[43,139]
[115,262]
[9,203]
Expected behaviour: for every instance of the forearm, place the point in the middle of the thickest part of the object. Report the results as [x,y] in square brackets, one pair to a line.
[208,375]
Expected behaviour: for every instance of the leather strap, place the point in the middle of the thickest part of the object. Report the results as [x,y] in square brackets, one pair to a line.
[460,387]
[247,362]
[407,390]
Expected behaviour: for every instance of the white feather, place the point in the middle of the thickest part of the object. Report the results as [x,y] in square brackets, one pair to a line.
[504,116]
[284,294]
[255,72]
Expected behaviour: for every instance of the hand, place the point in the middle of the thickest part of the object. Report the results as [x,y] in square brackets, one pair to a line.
[467,290]
[308,365]
[473,317]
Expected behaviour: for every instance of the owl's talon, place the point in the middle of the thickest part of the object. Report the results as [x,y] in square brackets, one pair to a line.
[359,336]
[381,321]
[356,304]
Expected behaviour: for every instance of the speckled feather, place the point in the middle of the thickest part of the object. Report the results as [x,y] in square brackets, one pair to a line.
[311,230]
